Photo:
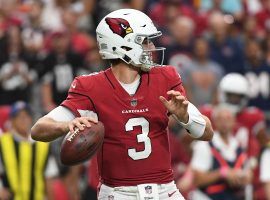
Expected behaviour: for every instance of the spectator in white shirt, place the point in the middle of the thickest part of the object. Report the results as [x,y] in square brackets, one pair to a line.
[219,166]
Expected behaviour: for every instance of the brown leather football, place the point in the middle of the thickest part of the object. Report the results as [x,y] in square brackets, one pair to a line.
[80,146]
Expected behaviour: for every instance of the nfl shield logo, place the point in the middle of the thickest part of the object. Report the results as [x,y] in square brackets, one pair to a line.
[110,197]
[148,189]
[133,102]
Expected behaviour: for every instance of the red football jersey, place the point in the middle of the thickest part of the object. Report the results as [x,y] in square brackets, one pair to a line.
[136,147]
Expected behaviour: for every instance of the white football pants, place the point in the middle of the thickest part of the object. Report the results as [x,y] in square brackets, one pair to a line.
[165,192]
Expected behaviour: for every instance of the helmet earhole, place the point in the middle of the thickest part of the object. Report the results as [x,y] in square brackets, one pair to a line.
[127,59]
[114,48]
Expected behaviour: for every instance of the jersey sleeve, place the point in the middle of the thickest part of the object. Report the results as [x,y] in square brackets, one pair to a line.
[257,120]
[174,80]
[78,100]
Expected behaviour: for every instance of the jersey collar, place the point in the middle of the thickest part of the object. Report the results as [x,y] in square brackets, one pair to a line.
[121,92]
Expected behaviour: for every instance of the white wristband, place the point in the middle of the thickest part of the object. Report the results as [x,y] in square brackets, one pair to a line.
[196,123]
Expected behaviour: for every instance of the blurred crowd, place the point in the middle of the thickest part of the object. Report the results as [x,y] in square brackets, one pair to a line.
[44,44]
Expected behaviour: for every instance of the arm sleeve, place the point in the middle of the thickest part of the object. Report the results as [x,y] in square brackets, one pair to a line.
[196,123]
[61,114]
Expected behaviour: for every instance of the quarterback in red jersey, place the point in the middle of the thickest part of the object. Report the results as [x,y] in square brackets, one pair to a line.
[132,99]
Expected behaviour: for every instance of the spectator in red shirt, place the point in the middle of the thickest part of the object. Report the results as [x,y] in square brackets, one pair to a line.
[167,10]
[180,50]
[263,18]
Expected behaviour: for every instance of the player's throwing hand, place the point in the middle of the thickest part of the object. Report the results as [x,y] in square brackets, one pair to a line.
[80,123]
[177,105]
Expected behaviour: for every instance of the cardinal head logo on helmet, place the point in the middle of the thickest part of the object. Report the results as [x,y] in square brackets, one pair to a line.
[119,26]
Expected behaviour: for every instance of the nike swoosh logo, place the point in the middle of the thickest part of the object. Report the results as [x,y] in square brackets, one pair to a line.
[170,194]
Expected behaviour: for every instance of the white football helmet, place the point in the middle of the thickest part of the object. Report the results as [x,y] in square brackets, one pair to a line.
[121,34]
[237,85]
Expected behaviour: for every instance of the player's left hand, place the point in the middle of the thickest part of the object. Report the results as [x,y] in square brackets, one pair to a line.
[177,105]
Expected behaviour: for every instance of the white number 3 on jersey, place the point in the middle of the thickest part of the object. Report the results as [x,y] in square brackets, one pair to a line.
[143,137]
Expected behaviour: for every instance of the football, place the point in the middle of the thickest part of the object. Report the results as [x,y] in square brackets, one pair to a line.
[80,146]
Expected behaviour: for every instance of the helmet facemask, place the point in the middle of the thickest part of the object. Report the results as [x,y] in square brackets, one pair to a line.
[235,102]
[149,56]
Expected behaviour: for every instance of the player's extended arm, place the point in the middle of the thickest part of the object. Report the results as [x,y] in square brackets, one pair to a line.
[46,129]
[58,123]
[198,125]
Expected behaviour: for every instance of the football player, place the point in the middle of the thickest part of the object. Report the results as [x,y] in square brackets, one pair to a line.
[133,98]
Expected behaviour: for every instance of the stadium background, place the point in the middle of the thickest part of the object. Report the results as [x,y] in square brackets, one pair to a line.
[44,44]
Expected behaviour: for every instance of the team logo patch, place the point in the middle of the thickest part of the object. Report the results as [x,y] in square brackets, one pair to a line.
[133,102]
[119,26]
[148,189]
